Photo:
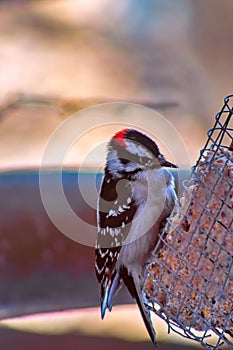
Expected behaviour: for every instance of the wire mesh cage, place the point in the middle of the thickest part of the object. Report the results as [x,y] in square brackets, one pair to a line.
[189,281]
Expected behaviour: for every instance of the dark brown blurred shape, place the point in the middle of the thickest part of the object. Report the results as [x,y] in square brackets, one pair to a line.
[9,339]
[40,268]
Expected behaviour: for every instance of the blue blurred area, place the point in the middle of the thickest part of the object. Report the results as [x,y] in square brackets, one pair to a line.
[54,270]
[142,18]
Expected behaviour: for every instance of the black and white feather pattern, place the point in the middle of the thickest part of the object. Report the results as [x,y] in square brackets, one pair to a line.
[116,209]
[136,196]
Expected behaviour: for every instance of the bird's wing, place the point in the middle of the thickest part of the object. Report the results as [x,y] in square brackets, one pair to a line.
[116,210]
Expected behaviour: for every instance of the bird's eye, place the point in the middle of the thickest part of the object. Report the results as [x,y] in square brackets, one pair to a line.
[124,161]
[145,160]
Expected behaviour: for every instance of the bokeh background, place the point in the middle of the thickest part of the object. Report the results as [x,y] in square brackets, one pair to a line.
[56,58]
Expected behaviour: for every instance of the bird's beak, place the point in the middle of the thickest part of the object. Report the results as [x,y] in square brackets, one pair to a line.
[165,163]
[169,164]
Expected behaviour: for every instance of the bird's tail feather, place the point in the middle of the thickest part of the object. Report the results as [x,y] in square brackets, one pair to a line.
[136,293]
[109,292]
[114,289]
[104,302]
[146,318]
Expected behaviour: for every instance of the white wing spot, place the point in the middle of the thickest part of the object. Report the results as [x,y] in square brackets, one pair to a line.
[129,200]
[100,270]
[111,231]
[102,254]
[103,232]
[114,231]
[117,244]
[120,209]
[111,213]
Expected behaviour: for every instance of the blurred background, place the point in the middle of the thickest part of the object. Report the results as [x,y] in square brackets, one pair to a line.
[56,58]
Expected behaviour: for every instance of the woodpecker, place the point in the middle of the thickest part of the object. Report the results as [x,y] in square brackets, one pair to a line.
[136,197]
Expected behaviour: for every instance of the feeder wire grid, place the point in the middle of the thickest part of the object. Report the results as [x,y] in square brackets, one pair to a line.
[189,279]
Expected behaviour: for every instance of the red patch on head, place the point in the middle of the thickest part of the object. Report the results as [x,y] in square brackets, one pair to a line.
[119,137]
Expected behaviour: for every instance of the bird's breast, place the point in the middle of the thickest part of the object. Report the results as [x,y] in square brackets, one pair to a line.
[154,203]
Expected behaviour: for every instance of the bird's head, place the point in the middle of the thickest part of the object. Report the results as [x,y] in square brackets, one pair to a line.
[130,151]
